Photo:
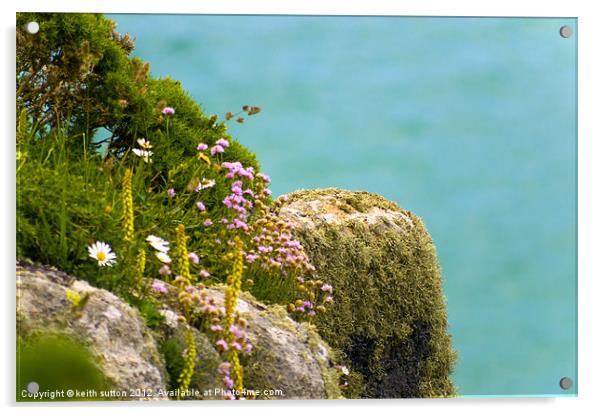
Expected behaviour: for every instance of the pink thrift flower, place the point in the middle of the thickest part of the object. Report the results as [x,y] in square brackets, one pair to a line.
[265,249]
[264,178]
[224,368]
[194,258]
[216,327]
[251,258]
[228,382]
[223,142]
[216,149]
[326,288]
[159,287]
[329,299]
[237,346]
[204,273]
[208,223]
[248,348]
[222,345]
[202,147]
[240,224]
[171,192]
[201,206]
[165,270]
[168,111]
[236,331]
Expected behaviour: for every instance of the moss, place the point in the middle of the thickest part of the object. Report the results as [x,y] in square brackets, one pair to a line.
[329,374]
[279,317]
[57,361]
[389,317]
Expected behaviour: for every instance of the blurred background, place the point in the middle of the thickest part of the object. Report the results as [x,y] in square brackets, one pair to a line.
[468,122]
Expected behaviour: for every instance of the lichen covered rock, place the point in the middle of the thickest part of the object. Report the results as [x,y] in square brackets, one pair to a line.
[113,331]
[389,316]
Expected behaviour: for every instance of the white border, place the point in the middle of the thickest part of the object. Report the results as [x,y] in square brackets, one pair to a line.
[590,206]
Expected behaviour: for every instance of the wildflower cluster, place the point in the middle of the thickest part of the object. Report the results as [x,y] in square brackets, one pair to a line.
[315,295]
[274,246]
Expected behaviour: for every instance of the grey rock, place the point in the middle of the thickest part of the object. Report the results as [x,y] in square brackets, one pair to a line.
[113,331]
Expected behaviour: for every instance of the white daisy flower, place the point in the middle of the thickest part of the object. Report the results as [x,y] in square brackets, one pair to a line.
[206,183]
[101,252]
[159,244]
[145,154]
[145,144]
[163,257]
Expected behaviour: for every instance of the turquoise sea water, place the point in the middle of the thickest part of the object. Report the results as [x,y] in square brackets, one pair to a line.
[468,122]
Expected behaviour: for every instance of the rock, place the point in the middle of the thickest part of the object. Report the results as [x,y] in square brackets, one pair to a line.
[112,330]
[389,316]
[289,359]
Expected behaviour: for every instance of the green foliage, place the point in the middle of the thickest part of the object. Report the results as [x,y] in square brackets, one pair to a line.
[75,68]
[389,316]
[68,183]
[56,362]
[76,73]
[148,308]
[172,350]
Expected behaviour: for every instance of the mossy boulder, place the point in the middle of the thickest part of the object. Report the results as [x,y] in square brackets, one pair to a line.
[389,315]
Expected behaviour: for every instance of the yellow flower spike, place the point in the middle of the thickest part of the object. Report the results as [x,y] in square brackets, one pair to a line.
[128,206]
[189,362]
[140,266]
[231,296]
[182,263]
